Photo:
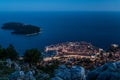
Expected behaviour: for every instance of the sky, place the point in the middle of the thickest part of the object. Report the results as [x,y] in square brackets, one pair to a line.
[59,5]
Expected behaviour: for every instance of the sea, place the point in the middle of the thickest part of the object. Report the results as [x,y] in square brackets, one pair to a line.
[100,28]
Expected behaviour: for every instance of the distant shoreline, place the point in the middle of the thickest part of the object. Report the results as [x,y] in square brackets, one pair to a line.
[32,34]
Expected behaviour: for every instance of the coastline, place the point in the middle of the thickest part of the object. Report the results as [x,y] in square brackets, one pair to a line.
[33,34]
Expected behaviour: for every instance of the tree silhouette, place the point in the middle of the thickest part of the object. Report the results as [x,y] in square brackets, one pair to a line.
[11,52]
[32,55]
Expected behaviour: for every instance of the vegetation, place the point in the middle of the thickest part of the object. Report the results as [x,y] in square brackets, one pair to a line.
[32,55]
[20,28]
[0,49]
[49,69]
[5,71]
[8,52]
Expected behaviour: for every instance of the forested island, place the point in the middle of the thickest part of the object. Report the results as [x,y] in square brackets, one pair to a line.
[20,28]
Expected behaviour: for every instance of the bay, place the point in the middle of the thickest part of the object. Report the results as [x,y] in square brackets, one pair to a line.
[99,28]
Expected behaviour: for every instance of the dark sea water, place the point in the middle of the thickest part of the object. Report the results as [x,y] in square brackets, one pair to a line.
[99,28]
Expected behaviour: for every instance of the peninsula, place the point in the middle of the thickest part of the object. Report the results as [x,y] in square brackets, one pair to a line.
[20,28]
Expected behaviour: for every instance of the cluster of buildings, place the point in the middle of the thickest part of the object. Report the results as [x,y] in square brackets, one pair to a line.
[83,54]
[72,49]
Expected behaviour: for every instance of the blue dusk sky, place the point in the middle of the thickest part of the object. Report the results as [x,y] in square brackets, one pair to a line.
[59,5]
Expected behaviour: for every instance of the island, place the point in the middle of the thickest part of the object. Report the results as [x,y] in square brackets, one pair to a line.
[20,28]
